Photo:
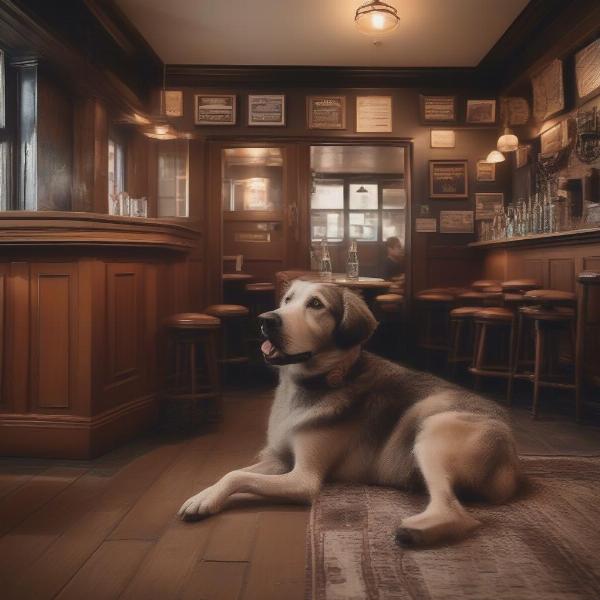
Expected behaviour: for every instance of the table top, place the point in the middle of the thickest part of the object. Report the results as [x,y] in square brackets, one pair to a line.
[237,276]
[360,283]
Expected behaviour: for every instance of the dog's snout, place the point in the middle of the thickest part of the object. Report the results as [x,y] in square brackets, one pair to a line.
[269,322]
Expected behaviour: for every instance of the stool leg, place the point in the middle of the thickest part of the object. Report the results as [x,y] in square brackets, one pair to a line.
[480,351]
[579,349]
[192,357]
[212,368]
[455,326]
[539,350]
[516,360]
[511,359]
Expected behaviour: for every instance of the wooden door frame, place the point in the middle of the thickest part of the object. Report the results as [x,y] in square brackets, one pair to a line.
[297,185]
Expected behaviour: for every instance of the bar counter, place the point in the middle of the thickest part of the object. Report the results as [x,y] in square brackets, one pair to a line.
[591,234]
[82,297]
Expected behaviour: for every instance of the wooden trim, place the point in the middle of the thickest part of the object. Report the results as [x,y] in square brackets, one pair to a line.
[544,239]
[85,229]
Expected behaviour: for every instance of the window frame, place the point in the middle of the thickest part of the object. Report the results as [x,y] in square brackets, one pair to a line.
[8,131]
[357,179]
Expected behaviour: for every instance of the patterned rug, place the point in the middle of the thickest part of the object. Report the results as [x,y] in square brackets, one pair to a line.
[544,545]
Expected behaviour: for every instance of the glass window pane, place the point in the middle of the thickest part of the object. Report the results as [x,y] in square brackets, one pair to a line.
[252,179]
[328,194]
[173,188]
[363,196]
[394,195]
[364,226]
[393,224]
[327,225]
[4,174]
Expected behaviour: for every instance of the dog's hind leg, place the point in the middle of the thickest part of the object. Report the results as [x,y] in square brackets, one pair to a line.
[440,446]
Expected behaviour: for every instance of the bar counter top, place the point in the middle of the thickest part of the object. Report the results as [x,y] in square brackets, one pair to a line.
[590,234]
[19,228]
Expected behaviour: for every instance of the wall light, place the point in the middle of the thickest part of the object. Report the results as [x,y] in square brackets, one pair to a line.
[376,17]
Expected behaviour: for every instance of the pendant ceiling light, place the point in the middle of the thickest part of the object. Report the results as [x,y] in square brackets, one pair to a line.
[495,157]
[376,17]
[362,190]
[508,141]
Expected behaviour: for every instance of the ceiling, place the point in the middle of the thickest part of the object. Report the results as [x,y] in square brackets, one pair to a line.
[432,33]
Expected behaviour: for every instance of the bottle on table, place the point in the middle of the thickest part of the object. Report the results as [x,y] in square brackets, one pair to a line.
[325,270]
[352,263]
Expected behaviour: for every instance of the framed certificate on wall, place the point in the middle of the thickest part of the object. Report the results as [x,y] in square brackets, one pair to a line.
[373,114]
[448,179]
[266,110]
[214,109]
[326,112]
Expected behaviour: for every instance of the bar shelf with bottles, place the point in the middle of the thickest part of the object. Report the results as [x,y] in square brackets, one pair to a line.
[545,215]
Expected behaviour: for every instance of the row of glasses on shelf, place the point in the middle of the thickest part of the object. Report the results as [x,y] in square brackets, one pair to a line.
[122,205]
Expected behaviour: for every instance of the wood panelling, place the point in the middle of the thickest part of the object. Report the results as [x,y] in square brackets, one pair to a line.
[54,315]
[4,269]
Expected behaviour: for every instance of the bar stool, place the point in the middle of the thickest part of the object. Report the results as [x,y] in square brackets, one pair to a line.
[490,296]
[519,285]
[434,308]
[388,310]
[488,320]
[481,284]
[233,318]
[585,279]
[261,297]
[461,319]
[190,333]
[547,320]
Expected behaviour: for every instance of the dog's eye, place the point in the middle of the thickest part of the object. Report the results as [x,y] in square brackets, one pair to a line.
[286,300]
[314,303]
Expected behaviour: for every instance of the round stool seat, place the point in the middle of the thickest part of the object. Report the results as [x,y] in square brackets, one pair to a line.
[471,296]
[547,314]
[550,296]
[464,312]
[192,321]
[520,285]
[589,278]
[227,310]
[481,284]
[260,287]
[389,299]
[513,298]
[495,314]
[492,289]
[435,296]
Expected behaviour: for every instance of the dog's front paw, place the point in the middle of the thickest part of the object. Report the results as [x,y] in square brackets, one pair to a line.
[197,507]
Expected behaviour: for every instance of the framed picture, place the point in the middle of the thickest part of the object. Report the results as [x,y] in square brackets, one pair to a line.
[587,71]
[326,112]
[438,109]
[481,112]
[521,156]
[425,225]
[448,179]
[548,91]
[515,110]
[442,138]
[554,139]
[266,110]
[456,221]
[487,204]
[173,100]
[214,109]
[486,171]
[373,114]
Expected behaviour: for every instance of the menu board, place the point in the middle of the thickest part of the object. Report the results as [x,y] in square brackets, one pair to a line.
[373,114]
[456,221]
[587,69]
[448,179]
[326,112]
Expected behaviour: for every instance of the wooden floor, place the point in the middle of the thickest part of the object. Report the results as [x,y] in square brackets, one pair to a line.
[107,528]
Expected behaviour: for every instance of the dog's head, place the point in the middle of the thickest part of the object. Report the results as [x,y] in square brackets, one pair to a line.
[314,318]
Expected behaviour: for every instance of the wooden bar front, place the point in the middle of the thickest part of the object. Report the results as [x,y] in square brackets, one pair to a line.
[82,353]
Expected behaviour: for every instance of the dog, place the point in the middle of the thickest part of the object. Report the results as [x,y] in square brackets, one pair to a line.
[343,414]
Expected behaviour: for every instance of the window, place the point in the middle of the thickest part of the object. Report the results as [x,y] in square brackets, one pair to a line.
[173,170]
[367,210]
[5,144]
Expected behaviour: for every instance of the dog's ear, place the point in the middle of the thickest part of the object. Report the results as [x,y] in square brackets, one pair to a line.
[357,323]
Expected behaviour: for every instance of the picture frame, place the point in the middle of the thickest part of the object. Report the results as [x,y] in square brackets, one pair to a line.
[448,179]
[442,138]
[173,103]
[553,139]
[425,225]
[587,71]
[481,112]
[374,114]
[548,91]
[266,110]
[215,109]
[486,204]
[438,109]
[486,171]
[457,221]
[326,112]
[521,156]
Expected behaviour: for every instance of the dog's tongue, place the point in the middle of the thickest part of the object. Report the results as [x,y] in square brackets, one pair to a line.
[267,347]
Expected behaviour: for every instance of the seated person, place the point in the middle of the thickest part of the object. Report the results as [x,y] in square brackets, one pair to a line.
[394,264]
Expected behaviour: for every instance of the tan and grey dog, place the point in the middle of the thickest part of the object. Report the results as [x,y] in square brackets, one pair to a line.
[342,414]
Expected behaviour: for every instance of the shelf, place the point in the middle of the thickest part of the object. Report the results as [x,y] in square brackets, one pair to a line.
[541,239]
